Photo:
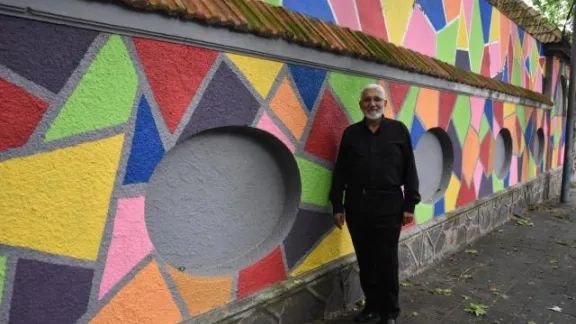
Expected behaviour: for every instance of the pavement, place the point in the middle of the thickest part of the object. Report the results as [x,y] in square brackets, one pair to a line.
[523,272]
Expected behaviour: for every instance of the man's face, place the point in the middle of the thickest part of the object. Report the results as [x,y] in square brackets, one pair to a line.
[372,104]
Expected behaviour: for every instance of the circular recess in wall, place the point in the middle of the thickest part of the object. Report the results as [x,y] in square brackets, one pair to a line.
[434,161]
[538,146]
[503,153]
[222,199]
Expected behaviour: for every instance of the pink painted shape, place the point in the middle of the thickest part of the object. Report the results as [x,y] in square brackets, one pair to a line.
[130,242]
[420,35]
[496,127]
[494,52]
[478,176]
[477,111]
[538,81]
[468,7]
[513,171]
[267,124]
[345,12]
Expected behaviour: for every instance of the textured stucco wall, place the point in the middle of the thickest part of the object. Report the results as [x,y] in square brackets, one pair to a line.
[83,136]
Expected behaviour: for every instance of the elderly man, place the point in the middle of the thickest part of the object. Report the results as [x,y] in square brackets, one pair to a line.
[375,160]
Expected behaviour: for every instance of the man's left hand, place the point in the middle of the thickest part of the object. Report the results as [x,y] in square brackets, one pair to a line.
[407,218]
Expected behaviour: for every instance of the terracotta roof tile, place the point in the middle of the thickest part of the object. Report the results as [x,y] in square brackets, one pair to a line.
[276,22]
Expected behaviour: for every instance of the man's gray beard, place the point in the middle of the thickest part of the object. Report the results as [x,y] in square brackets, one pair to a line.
[374,116]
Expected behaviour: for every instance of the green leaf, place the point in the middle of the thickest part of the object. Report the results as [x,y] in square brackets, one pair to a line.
[476,309]
[471,252]
[442,292]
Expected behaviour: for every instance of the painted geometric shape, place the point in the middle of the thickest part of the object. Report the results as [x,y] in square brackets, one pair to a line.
[273,2]
[446,43]
[494,27]
[20,113]
[456,149]
[427,107]
[434,10]
[493,108]
[517,73]
[466,195]
[476,44]
[478,172]
[347,88]
[407,113]
[316,181]
[308,229]
[174,73]
[447,101]
[43,53]
[513,171]
[418,29]
[451,194]
[267,124]
[397,94]
[147,149]
[463,60]
[484,127]
[260,73]
[461,116]
[103,97]
[129,244]
[397,14]
[2,276]
[485,186]
[534,61]
[81,176]
[521,36]
[452,9]
[49,293]
[504,34]
[424,212]
[335,245]
[202,294]
[345,12]
[145,299]
[269,270]
[463,31]
[521,115]
[439,207]
[486,16]
[487,153]
[317,9]
[470,152]
[309,82]
[372,18]
[494,53]
[225,102]
[485,66]
[477,108]
[505,72]
[287,107]
[467,10]
[327,128]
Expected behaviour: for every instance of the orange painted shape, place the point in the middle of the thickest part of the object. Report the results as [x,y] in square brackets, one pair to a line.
[145,299]
[504,38]
[525,165]
[470,155]
[427,107]
[510,124]
[490,167]
[288,108]
[202,294]
[452,9]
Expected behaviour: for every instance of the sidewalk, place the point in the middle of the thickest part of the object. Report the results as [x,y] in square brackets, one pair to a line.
[518,271]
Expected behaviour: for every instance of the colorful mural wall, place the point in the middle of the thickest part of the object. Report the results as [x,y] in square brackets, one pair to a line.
[470,34]
[85,117]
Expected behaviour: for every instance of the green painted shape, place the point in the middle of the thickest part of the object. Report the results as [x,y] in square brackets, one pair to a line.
[484,128]
[447,41]
[521,116]
[347,88]
[406,114]
[423,213]
[497,184]
[461,117]
[534,60]
[103,97]
[316,181]
[2,276]
[273,2]
[531,167]
[517,73]
[476,39]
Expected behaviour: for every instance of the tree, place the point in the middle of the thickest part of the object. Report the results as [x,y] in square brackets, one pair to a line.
[556,11]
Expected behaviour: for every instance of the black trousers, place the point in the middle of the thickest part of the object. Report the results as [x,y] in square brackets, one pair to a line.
[375,231]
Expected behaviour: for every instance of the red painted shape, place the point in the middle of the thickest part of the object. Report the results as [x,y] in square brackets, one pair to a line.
[269,270]
[466,195]
[326,132]
[542,61]
[510,60]
[498,111]
[20,113]
[485,155]
[485,69]
[527,83]
[447,101]
[174,72]
[398,92]
[372,18]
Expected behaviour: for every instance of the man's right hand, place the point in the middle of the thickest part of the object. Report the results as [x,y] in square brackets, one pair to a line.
[339,220]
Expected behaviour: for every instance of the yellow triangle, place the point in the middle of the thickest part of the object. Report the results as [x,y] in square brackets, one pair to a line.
[260,73]
[396,15]
[509,108]
[495,26]
[462,31]
[336,245]
[451,194]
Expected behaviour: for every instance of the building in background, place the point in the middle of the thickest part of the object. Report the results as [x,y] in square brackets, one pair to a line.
[170,160]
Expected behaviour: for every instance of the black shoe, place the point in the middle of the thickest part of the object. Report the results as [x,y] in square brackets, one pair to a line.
[367,316]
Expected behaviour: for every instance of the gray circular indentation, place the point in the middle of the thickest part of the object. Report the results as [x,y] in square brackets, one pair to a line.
[503,153]
[538,146]
[222,200]
[434,162]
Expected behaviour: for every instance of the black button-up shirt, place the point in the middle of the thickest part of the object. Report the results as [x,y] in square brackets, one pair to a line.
[367,161]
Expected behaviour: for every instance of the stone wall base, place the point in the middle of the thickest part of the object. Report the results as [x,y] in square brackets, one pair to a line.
[335,286]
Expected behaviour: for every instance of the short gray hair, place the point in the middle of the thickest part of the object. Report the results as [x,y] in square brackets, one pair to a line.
[374,86]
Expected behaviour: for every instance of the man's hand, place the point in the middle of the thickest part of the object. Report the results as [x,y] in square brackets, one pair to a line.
[407,218]
[339,220]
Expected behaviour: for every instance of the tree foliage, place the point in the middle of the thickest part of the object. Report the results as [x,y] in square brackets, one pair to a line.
[556,11]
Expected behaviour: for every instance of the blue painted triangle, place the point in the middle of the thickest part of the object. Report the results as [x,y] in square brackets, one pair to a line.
[417,131]
[439,207]
[309,82]
[505,72]
[521,35]
[486,16]
[147,149]
[507,180]
[527,64]
[489,112]
[434,10]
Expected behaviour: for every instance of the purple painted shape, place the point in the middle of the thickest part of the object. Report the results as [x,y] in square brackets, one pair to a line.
[463,60]
[225,102]
[485,187]
[49,293]
[43,53]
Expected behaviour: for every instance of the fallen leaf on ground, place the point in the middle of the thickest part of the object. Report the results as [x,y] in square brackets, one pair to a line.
[442,292]
[562,216]
[556,309]
[522,221]
[476,309]
[471,252]
[405,284]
